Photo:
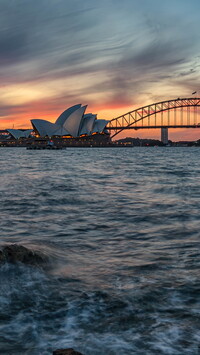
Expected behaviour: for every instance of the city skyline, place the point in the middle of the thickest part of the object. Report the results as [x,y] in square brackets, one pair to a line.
[112,56]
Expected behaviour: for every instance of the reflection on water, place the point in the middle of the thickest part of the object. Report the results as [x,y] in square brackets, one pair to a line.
[120,228]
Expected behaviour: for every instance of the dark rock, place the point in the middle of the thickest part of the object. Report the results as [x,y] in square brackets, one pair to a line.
[2,257]
[18,253]
[66,352]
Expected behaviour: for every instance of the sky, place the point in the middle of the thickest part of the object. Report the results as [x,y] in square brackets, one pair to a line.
[112,55]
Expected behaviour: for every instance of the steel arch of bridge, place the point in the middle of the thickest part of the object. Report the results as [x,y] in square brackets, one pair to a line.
[130,119]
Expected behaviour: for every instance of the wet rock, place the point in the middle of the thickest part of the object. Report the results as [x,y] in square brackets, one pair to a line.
[2,257]
[18,253]
[66,352]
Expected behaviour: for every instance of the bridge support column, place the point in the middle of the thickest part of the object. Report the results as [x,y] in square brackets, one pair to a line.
[164,135]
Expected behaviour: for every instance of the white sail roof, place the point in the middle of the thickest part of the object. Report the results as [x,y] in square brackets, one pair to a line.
[45,128]
[88,123]
[18,133]
[74,121]
[62,118]
[99,126]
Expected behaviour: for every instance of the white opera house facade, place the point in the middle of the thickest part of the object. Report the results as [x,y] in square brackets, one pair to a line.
[73,127]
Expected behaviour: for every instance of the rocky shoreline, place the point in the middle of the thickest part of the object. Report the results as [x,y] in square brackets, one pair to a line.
[15,253]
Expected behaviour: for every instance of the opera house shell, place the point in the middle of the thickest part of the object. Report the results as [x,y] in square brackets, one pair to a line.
[18,133]
[72,122]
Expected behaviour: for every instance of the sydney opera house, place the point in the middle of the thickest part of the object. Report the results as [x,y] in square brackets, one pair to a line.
[73,122]
[72,127]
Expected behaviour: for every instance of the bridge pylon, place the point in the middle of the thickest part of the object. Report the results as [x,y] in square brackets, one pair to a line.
[164,135]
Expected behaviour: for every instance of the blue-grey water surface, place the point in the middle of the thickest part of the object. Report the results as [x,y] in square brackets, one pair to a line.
[121,230]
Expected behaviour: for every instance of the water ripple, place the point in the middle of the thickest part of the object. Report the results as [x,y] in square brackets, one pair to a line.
[121,227]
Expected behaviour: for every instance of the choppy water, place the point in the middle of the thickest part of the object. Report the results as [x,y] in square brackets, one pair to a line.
[121,228]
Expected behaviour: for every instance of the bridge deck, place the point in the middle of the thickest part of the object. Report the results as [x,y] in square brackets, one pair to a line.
[152,127]
[178,113]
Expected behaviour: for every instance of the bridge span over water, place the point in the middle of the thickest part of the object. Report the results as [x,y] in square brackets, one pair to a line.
[178,113]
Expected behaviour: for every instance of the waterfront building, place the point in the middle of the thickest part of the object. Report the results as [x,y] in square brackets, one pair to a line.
[19,133]
[72,123]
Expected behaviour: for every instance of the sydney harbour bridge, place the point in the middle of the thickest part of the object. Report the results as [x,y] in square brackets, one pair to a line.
[178,113]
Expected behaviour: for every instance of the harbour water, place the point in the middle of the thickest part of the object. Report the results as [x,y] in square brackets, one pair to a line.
[120,230]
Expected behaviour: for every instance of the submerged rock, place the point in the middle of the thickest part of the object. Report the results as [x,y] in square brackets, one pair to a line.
[66,352]
[18,253]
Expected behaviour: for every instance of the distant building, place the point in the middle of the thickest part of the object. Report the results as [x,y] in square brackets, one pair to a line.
[15,134]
